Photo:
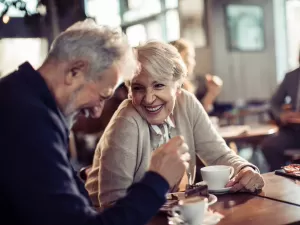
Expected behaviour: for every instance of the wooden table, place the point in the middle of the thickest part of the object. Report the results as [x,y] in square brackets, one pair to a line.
[281,188]
[242,208]
[255,134]
[246,208]
[238,116]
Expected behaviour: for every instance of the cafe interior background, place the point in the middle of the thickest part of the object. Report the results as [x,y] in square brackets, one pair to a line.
[249,44]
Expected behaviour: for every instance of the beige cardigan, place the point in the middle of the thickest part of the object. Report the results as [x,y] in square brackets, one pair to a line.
[124,151]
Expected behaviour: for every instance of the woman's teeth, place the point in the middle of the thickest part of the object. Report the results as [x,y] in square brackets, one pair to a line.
[151,109]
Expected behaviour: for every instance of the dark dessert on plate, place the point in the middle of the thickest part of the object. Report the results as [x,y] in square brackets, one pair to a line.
[199,189]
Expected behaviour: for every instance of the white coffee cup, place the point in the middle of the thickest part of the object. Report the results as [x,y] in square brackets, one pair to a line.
[191,210]
[217,177]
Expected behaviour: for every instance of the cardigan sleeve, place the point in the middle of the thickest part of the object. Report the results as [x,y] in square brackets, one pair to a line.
[209,145]
[118,159]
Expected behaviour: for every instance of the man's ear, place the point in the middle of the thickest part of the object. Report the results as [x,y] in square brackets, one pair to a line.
[76,70]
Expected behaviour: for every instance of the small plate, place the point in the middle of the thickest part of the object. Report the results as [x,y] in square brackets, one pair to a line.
[212,199]
[220,191]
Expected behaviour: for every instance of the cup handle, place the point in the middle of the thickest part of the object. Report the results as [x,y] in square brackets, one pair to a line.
[231,172]
[176,211]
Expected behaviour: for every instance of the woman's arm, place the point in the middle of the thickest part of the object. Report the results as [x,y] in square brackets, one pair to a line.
[209,145]
[118,158]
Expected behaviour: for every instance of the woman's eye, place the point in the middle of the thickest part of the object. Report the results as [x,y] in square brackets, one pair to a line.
[159,85]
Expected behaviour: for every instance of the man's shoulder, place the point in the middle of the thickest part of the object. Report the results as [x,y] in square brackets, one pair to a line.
[17,99]
[21,103]
[14,90]
[293,73]
[7,83]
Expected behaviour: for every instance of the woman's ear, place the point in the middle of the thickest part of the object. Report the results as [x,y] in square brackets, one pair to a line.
[129,93]
[179,89]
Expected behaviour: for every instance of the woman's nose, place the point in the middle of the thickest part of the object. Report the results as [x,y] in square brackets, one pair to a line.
[149,97]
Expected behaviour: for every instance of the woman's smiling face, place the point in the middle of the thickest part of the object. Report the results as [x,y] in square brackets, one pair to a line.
[155,87]
[153,99]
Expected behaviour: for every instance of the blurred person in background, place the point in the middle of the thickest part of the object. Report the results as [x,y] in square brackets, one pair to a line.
[207,87]
[157,110]
[287,117]
[84,66]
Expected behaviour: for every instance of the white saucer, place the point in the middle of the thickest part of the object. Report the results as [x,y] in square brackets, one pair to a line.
[220,191]
[210,218]
[212,199]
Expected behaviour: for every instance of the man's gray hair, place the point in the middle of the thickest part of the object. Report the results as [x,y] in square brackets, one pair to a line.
[101,46]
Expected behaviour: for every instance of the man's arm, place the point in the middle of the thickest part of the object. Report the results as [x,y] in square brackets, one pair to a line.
[278,98]
[41,183]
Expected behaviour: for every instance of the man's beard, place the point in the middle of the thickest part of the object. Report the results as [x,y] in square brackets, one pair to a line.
[71,119]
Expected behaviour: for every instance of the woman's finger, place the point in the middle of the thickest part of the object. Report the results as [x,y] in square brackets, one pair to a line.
[183,149]
[185,157]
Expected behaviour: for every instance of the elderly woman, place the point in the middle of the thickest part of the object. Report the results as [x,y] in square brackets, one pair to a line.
[157,110]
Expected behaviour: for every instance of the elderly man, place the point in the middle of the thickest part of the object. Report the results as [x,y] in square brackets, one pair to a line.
[288,119]
[38,185]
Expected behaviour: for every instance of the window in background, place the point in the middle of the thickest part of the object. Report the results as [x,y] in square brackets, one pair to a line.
[142,10]
[245,26]
[13,12]
[159,19]
[132,4]
[33,50]
[141,20]
[154,30]
[104,12]
[293,32]
[173,25]
[136,34]
[171,4]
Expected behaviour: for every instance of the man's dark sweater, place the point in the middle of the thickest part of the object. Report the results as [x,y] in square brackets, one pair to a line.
[38,185]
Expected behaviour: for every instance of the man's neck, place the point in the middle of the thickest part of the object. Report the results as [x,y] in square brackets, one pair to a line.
[51,74]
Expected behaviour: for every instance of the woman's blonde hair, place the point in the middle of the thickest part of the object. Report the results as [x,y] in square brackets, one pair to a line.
[161,61]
